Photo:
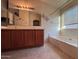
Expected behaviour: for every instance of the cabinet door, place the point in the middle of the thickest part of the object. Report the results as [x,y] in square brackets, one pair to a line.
[39,37]
[17,39]
[29,41]
[26,38]
[5,39]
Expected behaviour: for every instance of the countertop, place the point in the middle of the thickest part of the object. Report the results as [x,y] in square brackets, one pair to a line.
[21,27]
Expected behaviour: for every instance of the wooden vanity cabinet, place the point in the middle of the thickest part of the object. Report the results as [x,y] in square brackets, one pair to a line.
[29,38]
[17,39]
[21,38]
[39,36]
[5,40]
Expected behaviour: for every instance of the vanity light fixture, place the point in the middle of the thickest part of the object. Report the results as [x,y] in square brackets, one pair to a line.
[25,8]
[25,5]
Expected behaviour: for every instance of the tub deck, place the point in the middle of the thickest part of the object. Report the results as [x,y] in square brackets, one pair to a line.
[67,46]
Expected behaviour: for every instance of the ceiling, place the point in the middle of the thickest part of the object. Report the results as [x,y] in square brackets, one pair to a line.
[41,6]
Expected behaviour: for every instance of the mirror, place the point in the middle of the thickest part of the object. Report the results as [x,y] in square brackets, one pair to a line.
[4,12]
[11,14]
[16,16]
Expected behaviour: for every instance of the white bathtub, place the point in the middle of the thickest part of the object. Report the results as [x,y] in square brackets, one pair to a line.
[68,46]
[70,41]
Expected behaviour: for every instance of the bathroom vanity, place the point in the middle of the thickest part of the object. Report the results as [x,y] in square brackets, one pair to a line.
[21,38]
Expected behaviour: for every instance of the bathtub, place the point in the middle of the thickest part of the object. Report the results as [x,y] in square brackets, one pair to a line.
[70,41]
[66,45]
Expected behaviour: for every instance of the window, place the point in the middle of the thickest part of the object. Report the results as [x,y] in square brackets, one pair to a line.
[70,17]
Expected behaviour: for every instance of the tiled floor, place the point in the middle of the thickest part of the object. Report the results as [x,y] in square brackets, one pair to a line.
[45,52]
